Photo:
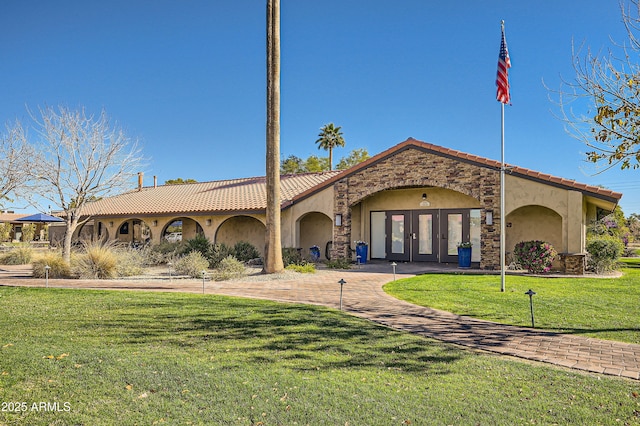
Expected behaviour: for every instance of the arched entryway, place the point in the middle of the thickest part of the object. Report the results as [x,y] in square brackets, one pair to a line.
[242,228]
[534,222]
[135,232]
[181,229]
[315,229]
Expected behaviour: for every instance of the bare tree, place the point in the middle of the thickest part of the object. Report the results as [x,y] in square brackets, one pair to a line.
[607,86]
[15,155]
[273,250]
[80,158]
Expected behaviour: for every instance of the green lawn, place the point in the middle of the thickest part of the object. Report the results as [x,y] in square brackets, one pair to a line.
[82,357]
[603,308]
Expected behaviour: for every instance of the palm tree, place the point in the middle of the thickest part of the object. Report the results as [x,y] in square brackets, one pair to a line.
[329,138]
[273,248]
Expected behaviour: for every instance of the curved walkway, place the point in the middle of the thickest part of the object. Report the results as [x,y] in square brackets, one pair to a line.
[363,296]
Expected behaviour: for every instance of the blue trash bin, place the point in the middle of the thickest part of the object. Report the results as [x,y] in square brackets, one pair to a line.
[361,252]
[315,253]
[464,257]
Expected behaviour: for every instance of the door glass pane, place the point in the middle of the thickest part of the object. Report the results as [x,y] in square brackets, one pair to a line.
[454,233]
[377,235]
[474,233]
[397,233]
[425,236]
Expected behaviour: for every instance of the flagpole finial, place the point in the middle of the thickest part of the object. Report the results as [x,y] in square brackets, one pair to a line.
[502,24]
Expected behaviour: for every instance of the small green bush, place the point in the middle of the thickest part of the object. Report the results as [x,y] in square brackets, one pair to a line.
[192,264]
[199,243]
[340,263]
[28,232]
[308,268]
[244,251]
[98,261]
[229,268]
[5,231]
[535,256]
[292,256]
[604,253]
[59,268]
[218,253]
[163,253]
[20,255]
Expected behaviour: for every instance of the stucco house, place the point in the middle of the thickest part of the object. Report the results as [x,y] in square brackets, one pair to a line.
[413,202]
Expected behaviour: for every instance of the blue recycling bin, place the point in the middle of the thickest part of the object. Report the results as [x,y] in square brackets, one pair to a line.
[315,253]
[361,252]
[464,257]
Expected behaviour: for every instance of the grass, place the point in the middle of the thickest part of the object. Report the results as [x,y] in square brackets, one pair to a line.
[109,357]
[605,308]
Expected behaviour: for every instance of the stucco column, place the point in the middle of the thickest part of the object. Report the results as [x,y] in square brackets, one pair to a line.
[575,228]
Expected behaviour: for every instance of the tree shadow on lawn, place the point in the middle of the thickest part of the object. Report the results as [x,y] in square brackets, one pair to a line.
[303,337]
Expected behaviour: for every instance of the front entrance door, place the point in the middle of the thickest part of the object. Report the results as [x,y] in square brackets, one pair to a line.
[454,229]
[398,232]
[412,236]
[423,235]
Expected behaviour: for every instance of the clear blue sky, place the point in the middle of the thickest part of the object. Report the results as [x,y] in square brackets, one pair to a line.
[187,78]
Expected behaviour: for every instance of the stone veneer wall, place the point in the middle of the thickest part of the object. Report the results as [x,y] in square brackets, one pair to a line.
[415,167]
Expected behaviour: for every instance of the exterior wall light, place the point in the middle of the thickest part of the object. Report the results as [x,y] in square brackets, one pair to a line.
[338,221]
[208,222]
[489,218]
[154,223]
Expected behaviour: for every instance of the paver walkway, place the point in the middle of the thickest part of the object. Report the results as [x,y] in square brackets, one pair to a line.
[363,296]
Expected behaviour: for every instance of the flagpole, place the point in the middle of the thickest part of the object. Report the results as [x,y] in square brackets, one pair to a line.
[502,218]
[503,95]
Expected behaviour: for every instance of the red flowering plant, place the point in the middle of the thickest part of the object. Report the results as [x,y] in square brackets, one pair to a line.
[535,256]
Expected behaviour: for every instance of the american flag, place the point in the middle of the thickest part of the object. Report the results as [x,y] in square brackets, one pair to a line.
[502,78]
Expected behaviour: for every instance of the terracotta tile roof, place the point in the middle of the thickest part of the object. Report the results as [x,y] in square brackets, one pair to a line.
[234,195]
[11,217]
[249,194]
[591,190]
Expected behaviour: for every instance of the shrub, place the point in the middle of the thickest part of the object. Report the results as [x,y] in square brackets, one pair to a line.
[28,232]
[535,256]
[130,261]
[58,267]
[308,268]
[229,268]
[218,253]
[192,264]
[291,256]
[98,261]
[199,243]
[20,255]
[244,251]
[163,253]
[604,253]
[5,231]
[341,263]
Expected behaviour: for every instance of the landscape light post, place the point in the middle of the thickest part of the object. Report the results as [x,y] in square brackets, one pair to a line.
[531,293]
[46,276]
[342,282]
[204,275]
[393,265]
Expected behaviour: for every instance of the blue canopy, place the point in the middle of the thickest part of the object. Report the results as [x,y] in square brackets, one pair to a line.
[40,217]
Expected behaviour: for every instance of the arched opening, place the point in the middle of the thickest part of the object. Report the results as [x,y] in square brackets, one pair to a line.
[181,229]
[242,228]
[135,232]
[534,223]
[315,230]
